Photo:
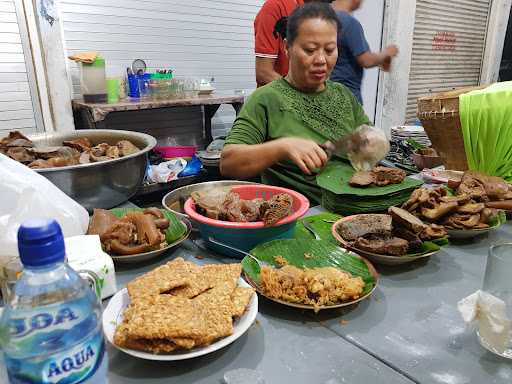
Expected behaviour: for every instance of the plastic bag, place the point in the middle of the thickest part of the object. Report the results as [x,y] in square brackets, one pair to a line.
[25,194]
[370,147]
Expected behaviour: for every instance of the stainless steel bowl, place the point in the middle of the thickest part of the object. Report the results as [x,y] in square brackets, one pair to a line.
[175,200]
[99,185]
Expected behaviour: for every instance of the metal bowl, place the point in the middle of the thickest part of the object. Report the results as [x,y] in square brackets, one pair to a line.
[175,201]
[99,185]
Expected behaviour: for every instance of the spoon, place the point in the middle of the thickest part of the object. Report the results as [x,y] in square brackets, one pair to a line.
[310,228]
[259,262]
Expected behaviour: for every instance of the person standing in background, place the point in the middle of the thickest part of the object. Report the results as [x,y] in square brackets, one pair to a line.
[269,31]
[354,54]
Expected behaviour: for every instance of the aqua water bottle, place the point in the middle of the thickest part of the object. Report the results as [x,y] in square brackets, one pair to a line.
[50,329]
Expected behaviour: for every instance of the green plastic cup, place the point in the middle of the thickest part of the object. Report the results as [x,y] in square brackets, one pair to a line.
[112,91]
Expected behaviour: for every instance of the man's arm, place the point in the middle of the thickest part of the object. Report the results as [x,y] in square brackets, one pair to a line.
[265,72]
[382,59]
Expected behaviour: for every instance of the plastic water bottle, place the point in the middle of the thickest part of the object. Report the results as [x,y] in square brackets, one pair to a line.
[50,329]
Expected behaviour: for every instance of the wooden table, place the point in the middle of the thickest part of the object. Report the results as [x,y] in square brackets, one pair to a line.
[92,116]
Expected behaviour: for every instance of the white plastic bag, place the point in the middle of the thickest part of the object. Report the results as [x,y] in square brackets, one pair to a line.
[373,146]
[25,194]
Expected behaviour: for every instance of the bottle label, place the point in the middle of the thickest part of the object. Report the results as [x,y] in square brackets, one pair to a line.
[55,334]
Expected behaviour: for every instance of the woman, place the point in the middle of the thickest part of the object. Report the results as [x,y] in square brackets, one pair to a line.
[283,126]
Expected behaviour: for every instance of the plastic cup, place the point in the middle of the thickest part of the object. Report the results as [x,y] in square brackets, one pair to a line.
[112,91]
[497,283]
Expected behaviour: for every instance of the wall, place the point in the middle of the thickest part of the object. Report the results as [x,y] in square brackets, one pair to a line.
[196,38]
[16,108]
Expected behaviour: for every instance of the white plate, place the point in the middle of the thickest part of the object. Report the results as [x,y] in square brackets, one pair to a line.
[113,316]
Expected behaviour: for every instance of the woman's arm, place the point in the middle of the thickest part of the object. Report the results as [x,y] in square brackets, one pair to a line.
[245,161]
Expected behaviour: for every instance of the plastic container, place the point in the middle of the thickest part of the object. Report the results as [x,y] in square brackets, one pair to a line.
[112,90]
[246,236]
[176,151]
[93,81]
[53,318]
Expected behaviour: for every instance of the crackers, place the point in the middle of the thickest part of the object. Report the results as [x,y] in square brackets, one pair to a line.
[180,306]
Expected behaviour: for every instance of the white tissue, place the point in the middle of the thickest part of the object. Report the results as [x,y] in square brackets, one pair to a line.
[85,253]
[166,171]
[490,315]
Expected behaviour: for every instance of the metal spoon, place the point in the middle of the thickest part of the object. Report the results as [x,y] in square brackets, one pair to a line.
[310,228]
[259,262]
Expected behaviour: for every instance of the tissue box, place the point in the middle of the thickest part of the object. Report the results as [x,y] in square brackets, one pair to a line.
[85,253]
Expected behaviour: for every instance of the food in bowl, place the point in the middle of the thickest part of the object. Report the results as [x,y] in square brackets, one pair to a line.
[72,152]
[397,234]
[226,205]
[135,232]
[311,286]
[180,305]
[466,210]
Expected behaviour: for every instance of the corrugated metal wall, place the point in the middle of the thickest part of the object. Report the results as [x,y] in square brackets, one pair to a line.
[16,109]
[198,38]
[448,47]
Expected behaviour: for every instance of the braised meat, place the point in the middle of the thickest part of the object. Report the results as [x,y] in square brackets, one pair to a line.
[407,220]
[467,210]
[223,204]
[83,144]
[379,176]
[383,245]
[136,232]
[484,188]
[384,176]
[72,152]
[362,179]
[275,209]
[362,225]
[414,239]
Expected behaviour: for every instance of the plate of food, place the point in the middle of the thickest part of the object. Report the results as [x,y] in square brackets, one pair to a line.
[133,235]
[312,275]
[180,311]
[464,214]
[391,239]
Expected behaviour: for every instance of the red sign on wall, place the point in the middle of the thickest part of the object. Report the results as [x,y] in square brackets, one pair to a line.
[444,41]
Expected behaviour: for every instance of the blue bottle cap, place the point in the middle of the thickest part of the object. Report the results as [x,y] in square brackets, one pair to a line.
[40,243]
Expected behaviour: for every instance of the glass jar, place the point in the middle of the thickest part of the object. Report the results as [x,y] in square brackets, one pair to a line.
[93,81]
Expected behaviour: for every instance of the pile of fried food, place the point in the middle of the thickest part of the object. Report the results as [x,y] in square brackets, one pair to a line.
[311,286]
[227,205]
[463,211]
[379,176]
[74,152]
[134,233]
[397,234]
[180,306]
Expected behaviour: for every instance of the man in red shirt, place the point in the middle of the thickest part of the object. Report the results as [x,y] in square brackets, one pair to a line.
[271,59]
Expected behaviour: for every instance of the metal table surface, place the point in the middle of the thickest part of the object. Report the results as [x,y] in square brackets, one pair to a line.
[409,331]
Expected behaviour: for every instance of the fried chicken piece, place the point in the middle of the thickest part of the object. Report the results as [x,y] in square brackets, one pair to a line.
[276,209]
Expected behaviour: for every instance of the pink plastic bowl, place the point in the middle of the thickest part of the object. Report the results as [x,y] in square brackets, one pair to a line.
[246,236]
[171,152]
[248,192]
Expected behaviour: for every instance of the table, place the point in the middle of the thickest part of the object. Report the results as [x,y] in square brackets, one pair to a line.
[409,331]
[92,116]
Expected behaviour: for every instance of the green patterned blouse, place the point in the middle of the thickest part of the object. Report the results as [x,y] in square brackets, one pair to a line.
[278,110]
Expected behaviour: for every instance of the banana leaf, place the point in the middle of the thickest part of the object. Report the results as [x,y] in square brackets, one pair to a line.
[336,176]
[322,224]
[175,231]
[487,129]
[500,219]
[321,253]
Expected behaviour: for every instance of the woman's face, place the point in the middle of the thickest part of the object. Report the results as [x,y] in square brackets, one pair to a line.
[313,54]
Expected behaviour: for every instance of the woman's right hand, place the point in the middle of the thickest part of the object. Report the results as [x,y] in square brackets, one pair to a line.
[306,154]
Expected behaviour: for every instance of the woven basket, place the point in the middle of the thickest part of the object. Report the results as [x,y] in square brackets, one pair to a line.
[440,117]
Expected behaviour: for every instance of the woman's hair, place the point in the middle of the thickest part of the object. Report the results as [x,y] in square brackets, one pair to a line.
[288,28]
